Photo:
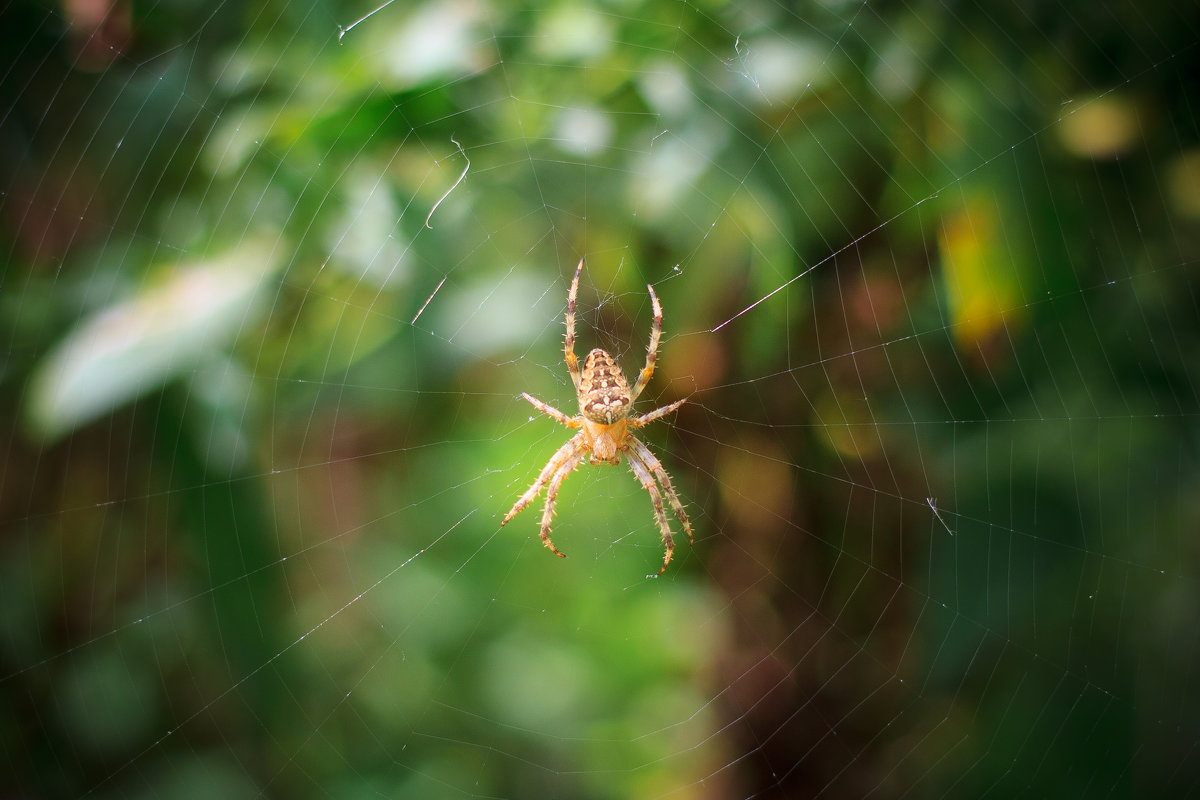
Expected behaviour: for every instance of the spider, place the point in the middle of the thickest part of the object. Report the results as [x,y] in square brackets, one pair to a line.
[605,426]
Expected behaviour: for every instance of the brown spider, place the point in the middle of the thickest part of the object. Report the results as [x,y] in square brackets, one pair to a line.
[604,424]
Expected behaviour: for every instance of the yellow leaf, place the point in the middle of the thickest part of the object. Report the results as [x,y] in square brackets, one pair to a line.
[979,270]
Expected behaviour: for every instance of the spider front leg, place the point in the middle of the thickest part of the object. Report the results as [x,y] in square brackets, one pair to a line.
[560,475]
[643,475]
[574,446]
[660,472]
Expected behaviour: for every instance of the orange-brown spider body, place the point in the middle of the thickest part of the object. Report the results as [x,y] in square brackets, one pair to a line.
[604,404]
[604,424]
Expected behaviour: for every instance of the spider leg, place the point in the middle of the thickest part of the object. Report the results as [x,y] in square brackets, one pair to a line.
[650,460]
[560,475]
[576,445]
[552,412]
[569,342]
[658,413]
[652,349]
[642,471]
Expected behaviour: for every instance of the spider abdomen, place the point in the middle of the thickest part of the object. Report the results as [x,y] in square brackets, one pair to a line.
[603,391]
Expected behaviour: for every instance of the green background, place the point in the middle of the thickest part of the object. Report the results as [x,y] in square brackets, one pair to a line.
[929,280]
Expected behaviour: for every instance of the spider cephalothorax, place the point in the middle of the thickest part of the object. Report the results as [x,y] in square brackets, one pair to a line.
[604,425]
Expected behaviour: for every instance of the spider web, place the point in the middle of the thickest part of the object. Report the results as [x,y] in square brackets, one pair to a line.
[276,279]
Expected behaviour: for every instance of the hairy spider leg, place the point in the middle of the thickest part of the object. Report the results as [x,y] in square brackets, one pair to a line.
[650,460]
[658,413]
[643,475]
[575,445]
[552,412]
[560,475]
[652,349]
[569,342]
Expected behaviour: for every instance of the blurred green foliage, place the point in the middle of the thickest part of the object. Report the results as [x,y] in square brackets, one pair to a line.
[263,418]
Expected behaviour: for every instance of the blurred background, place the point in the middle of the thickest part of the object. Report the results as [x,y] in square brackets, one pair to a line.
[275,275]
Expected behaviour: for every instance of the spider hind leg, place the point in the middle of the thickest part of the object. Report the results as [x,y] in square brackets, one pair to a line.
[569,339]
[652,349]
